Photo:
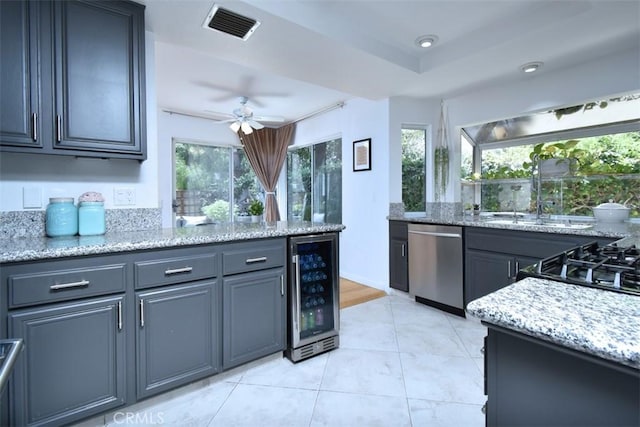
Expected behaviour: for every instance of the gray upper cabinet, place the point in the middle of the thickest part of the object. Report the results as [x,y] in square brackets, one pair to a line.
[89,99]
[20,120]
[178,335]
[73,363]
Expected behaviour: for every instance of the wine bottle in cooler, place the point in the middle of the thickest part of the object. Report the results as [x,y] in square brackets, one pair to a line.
[319,316]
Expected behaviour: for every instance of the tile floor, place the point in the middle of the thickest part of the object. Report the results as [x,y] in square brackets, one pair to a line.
[399,364]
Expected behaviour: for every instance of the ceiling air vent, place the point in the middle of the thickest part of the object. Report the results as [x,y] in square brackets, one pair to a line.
[229,22]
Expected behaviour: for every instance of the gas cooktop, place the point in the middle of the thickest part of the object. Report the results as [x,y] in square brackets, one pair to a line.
[609,267]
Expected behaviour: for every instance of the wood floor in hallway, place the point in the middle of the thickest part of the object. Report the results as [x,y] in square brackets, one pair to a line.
[352,293]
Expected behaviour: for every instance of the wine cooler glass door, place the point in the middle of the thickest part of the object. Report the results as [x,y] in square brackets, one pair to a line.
[316,289]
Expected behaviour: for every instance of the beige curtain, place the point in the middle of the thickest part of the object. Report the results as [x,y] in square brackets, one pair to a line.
[266,150]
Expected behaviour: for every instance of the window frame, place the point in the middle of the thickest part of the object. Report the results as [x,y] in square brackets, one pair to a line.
[231,148]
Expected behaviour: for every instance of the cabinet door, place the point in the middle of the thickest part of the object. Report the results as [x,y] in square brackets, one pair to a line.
[178,336]
[486,272]
[99,76]
[398,265]
[19,85]
[73,363]
[398,255]
[253,316]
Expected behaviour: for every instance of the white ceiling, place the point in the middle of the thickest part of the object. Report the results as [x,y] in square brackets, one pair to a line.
[310,54]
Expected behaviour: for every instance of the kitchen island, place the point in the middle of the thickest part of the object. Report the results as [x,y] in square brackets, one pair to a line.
[110,320]
[560,354]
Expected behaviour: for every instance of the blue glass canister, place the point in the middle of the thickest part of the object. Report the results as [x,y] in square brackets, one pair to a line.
[61,217]
[91,218]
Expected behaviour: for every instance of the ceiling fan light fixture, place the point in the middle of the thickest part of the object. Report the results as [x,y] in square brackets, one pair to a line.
[426,41]
[531,67]
[235,126]
[246,128]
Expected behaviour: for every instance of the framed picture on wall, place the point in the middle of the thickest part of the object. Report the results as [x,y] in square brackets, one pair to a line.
[362,155]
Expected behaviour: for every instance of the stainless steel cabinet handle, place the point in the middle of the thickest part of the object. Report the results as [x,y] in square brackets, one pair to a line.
[119,315]
[58,128]
[34,123]
[484,408]
[509,269]
[403,251]
[297,296]
[482,350]
[515,273]
[71,285]
[142,313]
[429,233]
[178,271]
[282,284]
[254,260]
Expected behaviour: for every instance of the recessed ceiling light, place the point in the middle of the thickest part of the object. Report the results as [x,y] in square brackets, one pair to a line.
[426,41]
[531,67]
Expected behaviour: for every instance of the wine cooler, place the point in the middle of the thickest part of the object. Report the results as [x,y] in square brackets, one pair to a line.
[314,306]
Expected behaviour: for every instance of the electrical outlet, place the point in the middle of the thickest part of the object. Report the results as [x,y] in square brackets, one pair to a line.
[124,197]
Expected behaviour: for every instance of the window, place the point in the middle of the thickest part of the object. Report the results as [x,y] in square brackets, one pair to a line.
[414,142]
[314,183]
[212,183]
[497,173]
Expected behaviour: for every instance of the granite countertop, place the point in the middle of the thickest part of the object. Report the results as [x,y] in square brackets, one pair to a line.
[39,248]
[598,322]
[623,229]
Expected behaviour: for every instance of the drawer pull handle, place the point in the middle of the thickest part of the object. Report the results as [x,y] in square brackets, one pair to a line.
[178,271]
[119,315]
[72,285]
[142,313]
[34,124]
[254,260]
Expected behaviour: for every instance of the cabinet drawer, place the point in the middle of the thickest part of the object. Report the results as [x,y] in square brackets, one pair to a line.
[168,271]
[49,286]
[251,257]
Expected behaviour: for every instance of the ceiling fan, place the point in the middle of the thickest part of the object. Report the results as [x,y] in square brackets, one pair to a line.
[243,118]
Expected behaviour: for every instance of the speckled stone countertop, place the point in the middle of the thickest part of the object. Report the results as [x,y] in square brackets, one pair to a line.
[601,323]
[38,248]
[595,229]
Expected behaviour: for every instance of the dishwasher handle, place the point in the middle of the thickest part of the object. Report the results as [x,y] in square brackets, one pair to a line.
[436,234]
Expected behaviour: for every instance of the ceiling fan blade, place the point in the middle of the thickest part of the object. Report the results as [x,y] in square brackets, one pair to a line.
[255,124]
[272,119]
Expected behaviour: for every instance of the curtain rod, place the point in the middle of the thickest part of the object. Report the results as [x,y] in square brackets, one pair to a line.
[321,111]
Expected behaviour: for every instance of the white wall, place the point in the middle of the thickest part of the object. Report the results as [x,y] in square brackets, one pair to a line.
[57,176]
[365,194]
[609,76]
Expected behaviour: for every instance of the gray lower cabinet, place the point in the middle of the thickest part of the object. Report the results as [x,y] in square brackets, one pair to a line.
[253,316]
[73,363]
[398,256]
[177,335]
[530,382]
[493,257]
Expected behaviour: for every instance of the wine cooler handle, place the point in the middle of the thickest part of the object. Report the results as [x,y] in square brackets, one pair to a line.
[298,296]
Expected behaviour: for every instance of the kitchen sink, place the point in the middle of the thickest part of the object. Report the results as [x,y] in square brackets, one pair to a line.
[528,223]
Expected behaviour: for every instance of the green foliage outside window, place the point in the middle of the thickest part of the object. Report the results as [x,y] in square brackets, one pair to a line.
[413,170]
[608,168]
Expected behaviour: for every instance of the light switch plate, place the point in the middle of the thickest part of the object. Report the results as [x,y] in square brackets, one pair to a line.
[124,196]
[31,197]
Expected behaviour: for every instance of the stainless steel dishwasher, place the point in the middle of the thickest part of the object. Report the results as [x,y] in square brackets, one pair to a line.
[435,266]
